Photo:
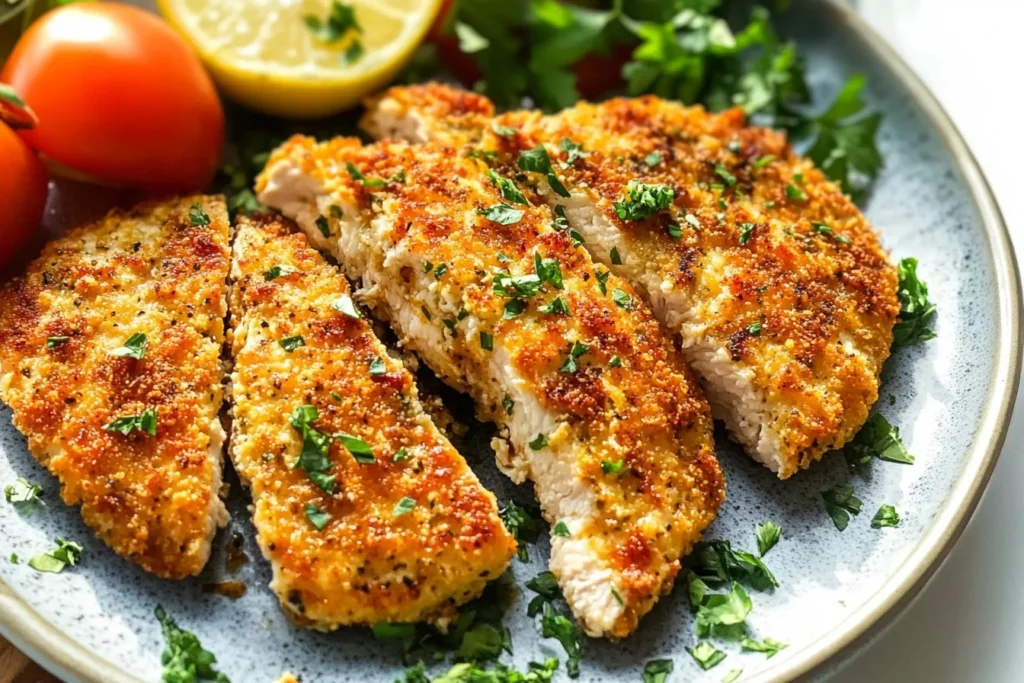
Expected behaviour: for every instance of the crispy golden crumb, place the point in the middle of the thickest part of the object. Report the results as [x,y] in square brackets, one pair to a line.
[369,562]
[148,270]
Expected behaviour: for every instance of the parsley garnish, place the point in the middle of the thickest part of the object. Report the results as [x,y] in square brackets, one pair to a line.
[537,160]
[502,214]
[346,306]
[23,494]
[323,226]
[66,554]
[616,259]
[622,299]
[340,20]
[400,455]
[441,269]
[548,270]
[377,366]
[315,444]
[657,670]
[746,230]
[507,188]
[643,201]
[279,271]
[357,175]
[540,441]
[134,347]
[706,655]
[732,675]
[795,193]
[198,217]
[504,131]
[561,529]
[574,152]
[143,422]
[508,404]
[768,646]
[768,535]
[575,351]
[653,159]
[523,526]
[54,342]
[516,285]
[404,506]
[916,311]
[885,517]
[723,614]
[360,450]
[486,341]
[840,503]
[316,516]
[556,306]
[615,362]
[289,344]
[827,231]
[754,329]
[717,563]
[877,439]
[602,280]
[618,598]
[723,173]
[616,467]
[514,308]
[763,161]
[184,659]
[565,631]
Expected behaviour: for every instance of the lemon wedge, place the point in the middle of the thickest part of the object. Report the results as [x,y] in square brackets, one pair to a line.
[302,58]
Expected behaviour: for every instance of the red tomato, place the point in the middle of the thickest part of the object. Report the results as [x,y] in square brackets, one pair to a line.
[120,97]
[597,74]
[22,193]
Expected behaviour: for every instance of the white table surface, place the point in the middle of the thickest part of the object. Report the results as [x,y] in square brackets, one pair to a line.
[968,624]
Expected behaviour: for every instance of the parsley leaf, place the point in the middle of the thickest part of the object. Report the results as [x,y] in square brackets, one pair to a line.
[916,311]
[523,524]
[357,175]
[289,344]
[360,450]
[540,441]
[23,494]
[377,366]
[768,646]
[575,351]
[54,342]
[653,159]
[548,270]
[622,299]
[279,271]
[516,285]
[507,188]
[346,306]
[768,534]
[503,214]
[404,506]
[315,444]
[643,201]
[143,422]
[134,347]
[340,20]
[556,306]
[885,517]
[723,610]
[706,655]
[66,554]
[486,341]
[317,516]
[840,503]
[198,217]
[877,439]
[574,152]
[184,659]
[717,563]
[565,631]
[746,230]
[616,467]
[537,160]
[657,670]
[561,529]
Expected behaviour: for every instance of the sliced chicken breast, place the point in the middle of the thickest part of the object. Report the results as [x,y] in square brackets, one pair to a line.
[592,400]
[363,508]
[777,285]
[110,361]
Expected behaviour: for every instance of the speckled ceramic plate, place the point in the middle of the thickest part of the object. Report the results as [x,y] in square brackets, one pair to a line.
[951,398]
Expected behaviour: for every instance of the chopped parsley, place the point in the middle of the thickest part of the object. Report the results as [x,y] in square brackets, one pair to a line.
[653,159]
[723,173]
[763,161]
[184,659]
[746,230]
[507,188]
[317,516]
[315,444]
[13,559]
[404,506]
[513,308]
[602,279]
[340,20]
[840,503]
[574,152]
[674,230]
[916,311]
[360,450]
[618,598]
[143,422]
[289,344]
[522,524]
[23,494]
[616,467]
[565,631]
[198,217]
[548,270]
[54,342]
[504,131]
[622,299]
[346,306]
[575,351]
[877,439]
[706,655]
[134,347]
[323,226]
[536,160]
[732,676]
[643,201]
[357,175]
[827,231]
[657,670]
[561,529]
[508,404]
[516,285]
[400,455]
[279,271]
[486,341]
[754,329]
[795,193]
[768,534]
[615,257]
[66,554]
[540,441]
[377,366]
[716,563]
[723,614]
[885,517]
[441,269]
[768,646]
[503,214]
[556,306]
[615,362]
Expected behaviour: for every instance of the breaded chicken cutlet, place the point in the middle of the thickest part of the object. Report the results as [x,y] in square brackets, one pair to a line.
[593,403]
[110,361]
[363,508]
[782,295]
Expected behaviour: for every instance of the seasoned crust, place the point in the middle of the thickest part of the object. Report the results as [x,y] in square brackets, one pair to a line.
[649,412]
[146,270]
[366,564]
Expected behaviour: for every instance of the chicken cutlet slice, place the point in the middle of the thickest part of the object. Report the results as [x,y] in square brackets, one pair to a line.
[783,297]
[361,505]
[592,401]
[110,361]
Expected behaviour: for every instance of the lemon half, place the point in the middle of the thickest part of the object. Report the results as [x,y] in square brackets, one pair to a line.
[263,54]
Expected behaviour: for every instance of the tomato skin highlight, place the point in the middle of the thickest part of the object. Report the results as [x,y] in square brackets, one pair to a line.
[22,193]
[119,96]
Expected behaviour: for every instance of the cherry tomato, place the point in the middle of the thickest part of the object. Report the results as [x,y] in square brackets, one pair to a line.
[120,98]
[22,193]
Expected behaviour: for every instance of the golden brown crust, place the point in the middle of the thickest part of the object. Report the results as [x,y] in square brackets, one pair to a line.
[367,564]
[148,270]
[648,412]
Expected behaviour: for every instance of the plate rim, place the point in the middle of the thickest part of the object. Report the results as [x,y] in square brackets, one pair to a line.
[68,659]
